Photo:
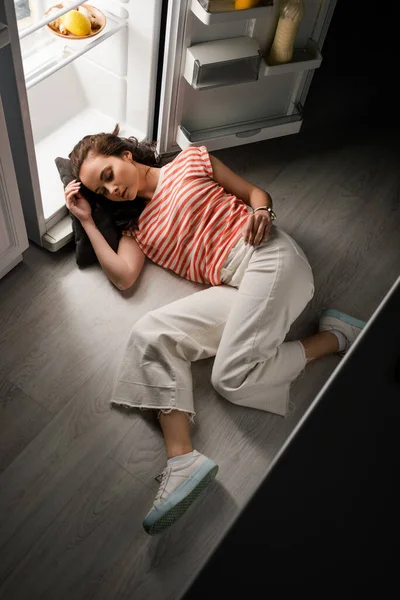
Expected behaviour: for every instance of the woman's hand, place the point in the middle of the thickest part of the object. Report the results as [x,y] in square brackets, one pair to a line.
[257,227]
[76,203]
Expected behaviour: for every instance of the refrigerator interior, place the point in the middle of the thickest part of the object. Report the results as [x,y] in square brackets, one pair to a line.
[80,86]
[217,88]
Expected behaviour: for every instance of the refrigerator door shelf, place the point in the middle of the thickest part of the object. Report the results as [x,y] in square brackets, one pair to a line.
[241,133]
[210,18]
[304,59]
[222,62]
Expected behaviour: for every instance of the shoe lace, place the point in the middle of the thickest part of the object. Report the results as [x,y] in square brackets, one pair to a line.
[161,480]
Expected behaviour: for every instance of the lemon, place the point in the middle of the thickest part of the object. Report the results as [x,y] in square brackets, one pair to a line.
[76,22]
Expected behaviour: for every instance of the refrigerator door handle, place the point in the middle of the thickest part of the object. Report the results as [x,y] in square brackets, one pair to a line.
[250,133]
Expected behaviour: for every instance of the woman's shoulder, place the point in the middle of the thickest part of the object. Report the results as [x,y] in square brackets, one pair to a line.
[192,155]
[189,153]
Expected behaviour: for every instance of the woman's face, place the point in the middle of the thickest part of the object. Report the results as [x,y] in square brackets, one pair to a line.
[114,177]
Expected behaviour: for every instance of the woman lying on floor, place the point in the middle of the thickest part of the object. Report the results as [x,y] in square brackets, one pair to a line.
[210,226]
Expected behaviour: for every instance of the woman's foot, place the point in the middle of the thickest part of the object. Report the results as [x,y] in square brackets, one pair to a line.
[183,479]
[345,327]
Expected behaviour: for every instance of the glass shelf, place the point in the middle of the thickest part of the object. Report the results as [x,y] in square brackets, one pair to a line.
[44,53]
[31,17]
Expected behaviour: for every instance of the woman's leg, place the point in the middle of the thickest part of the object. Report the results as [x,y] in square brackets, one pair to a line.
[254,366]
[319,345]
[156,373]
[176,432]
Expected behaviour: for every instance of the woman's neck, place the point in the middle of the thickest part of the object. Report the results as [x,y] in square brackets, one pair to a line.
[148,180]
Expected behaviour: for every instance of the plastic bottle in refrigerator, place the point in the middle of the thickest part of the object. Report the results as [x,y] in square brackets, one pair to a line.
[291,13]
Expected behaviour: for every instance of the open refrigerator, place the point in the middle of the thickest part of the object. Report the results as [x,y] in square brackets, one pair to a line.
[170,70]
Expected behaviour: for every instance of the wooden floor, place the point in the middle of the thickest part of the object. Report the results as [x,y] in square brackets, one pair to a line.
[77,476]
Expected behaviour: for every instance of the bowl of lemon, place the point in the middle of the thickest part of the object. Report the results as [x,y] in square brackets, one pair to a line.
[82,22]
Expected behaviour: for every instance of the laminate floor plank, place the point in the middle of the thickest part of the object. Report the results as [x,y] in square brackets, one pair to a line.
[95,529]
[21,419]
[42,479]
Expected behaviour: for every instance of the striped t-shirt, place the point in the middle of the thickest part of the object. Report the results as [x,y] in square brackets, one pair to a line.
[191,223]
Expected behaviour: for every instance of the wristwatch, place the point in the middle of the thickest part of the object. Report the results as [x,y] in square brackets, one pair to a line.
[269,209]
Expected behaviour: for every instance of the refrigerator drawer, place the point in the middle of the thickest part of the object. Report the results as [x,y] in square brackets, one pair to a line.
[240,133]
[222,62]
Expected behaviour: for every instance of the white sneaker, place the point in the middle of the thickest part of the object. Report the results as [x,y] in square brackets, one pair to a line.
[180,485]
[346,324]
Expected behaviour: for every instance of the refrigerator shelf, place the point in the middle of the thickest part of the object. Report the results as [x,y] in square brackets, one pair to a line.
[45,53]
[304,59]
[60,234]
[240,133]
[43,20]
[209,18]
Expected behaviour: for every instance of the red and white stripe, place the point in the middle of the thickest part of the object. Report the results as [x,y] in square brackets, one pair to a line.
[191,223]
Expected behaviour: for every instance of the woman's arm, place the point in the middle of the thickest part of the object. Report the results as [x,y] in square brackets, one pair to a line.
[236,185]
[122,267]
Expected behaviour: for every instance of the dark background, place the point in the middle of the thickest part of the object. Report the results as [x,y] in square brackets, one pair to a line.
[325,523]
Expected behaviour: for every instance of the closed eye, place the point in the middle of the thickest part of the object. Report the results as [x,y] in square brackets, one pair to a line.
[107,174]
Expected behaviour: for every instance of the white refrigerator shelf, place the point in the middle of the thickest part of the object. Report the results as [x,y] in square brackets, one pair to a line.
[209,18]
[47,53]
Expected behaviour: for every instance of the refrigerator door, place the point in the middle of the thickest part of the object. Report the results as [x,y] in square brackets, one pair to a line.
[17,117]
[13,238]
[219,90]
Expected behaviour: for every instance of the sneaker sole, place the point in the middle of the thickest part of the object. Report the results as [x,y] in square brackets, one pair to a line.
[170,517]
[336,314]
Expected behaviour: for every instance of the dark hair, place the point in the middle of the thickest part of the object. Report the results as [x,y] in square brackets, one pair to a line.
[124,214]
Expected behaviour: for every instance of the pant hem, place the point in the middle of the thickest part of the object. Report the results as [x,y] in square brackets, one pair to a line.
[164,409]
